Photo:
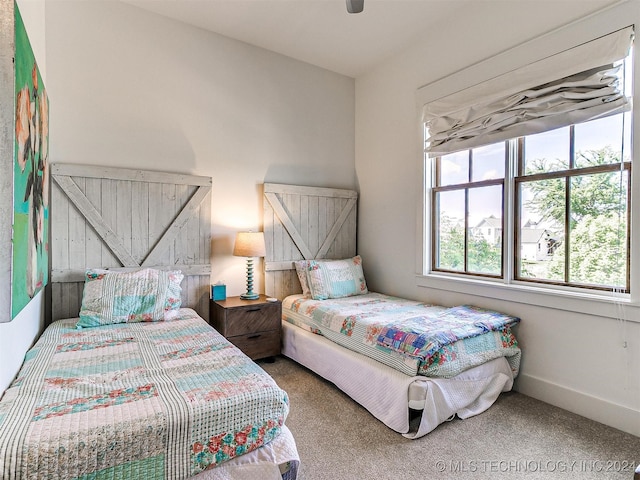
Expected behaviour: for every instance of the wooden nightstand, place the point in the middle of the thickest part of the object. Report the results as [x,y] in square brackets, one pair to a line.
[251,325]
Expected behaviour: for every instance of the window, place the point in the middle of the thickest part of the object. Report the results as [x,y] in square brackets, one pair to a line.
[572,187]
[568,191]
[529,173]
[468,203]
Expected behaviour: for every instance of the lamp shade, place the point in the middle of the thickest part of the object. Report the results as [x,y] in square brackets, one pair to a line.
[249,244]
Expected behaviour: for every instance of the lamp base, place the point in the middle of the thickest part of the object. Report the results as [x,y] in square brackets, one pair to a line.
[250,296]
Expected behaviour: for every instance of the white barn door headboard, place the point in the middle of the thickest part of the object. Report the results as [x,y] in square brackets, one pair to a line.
[305,223]
[104,217]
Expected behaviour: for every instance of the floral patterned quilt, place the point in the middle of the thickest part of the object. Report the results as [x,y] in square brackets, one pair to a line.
[150,400]
[412,337]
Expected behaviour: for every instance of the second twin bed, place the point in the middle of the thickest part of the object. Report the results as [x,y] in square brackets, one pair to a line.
[398,358]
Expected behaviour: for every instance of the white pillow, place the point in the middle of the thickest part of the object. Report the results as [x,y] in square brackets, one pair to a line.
[336,278]
[124,297]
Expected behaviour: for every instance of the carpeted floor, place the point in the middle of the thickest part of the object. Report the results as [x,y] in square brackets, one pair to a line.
[518,437]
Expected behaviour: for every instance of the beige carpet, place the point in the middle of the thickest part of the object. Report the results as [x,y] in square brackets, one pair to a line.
[518,437]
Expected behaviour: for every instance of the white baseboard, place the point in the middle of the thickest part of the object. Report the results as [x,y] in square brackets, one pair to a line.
[603,411]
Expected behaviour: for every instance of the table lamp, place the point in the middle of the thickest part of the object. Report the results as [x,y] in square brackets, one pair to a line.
[249,244]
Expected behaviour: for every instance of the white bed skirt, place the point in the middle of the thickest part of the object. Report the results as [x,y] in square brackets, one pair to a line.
[388,394]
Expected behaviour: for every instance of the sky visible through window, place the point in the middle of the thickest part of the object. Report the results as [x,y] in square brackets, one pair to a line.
[488,163]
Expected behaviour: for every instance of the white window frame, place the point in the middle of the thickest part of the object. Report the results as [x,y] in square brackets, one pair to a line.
[601,303]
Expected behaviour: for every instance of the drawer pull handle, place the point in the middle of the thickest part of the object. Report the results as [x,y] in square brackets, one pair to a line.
[251,337]
[253,309]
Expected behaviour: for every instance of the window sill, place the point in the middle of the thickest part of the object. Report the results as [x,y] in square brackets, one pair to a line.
[606,305]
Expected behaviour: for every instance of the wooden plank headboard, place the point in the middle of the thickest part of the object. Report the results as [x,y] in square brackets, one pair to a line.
[305,223]
[115,218]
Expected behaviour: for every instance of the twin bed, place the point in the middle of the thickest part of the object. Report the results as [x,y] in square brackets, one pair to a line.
[400,359]
[129,380]
[152,399]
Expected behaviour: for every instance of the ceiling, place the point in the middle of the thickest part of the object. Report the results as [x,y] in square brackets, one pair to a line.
[322,33]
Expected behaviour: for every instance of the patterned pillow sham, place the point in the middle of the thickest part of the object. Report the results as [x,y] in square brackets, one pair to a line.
[125,297]
[301,270]
[336,278]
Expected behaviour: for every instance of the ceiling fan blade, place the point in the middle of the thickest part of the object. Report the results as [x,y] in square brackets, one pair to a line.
[355,6]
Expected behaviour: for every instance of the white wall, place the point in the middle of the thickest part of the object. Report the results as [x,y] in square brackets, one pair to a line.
[133,89]
[17,336]
[575,361]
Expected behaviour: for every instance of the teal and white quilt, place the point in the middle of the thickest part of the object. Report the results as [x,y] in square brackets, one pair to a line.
[148,400]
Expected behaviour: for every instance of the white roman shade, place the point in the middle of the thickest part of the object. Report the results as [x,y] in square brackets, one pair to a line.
[570,87]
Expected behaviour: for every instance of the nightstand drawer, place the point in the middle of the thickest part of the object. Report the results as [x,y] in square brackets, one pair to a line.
[252,319]
[258,345]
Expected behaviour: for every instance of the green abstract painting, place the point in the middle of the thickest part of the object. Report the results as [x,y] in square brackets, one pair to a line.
[31,176]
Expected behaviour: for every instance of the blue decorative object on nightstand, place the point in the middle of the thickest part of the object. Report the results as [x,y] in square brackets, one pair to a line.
[219,292]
